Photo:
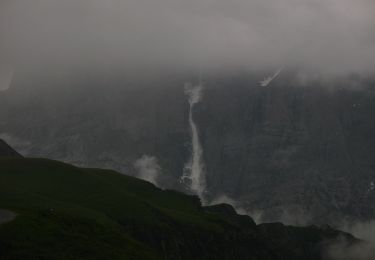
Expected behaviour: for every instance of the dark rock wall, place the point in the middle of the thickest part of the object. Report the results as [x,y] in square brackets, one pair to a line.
[292,153]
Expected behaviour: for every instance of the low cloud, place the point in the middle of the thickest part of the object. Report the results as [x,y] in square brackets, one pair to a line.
[360,251]
[6,75]
[363,230]
[344,250]
[148,168]
[329,35]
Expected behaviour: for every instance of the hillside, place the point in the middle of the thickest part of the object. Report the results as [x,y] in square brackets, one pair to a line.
[65,212]
[7,151]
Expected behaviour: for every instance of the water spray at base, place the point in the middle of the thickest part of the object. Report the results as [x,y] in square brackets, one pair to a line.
[194,175]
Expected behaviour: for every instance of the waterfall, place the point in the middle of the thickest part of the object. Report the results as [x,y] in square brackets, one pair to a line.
[194,175]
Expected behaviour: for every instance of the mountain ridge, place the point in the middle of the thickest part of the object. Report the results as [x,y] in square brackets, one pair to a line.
[7,151]
[299,152]
[86,212]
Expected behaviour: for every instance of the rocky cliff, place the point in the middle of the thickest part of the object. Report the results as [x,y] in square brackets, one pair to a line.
[299,152]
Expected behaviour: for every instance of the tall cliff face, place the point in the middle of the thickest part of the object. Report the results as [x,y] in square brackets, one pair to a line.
[291,153]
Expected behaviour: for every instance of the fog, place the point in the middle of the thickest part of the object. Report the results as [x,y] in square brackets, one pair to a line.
[6,75]
[148,168]
[360,251]
[331,36]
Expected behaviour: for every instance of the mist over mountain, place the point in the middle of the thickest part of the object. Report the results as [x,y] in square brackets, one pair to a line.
[264,105]
[297,151]
[333,37]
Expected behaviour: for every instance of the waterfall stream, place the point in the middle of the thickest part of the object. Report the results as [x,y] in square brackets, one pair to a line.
[194,174]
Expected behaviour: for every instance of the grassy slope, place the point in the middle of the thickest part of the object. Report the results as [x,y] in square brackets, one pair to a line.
[71,213]
[62,213]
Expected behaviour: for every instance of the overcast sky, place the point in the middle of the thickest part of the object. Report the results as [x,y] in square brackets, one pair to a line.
[330,35]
